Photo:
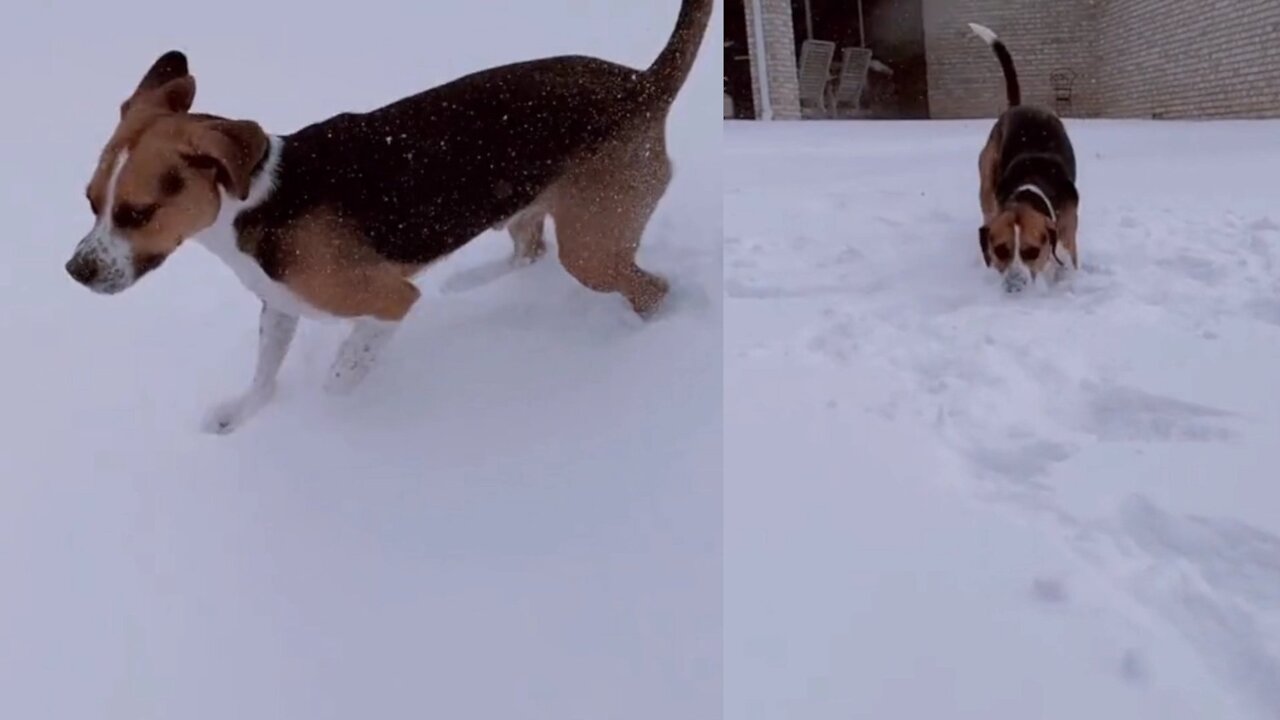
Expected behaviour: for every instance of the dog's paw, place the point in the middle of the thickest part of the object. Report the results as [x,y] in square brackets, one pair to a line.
[342,381]
[524,256]
[227,417]
[650,297]
[517,261]
[1063,277]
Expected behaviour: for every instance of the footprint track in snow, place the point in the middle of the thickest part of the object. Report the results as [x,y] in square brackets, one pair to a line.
[1218,582]
[1117,413]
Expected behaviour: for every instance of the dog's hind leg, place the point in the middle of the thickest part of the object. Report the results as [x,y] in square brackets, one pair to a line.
[601,214]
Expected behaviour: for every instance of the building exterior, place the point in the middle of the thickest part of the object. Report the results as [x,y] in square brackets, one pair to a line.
[775,70]
[1087,58]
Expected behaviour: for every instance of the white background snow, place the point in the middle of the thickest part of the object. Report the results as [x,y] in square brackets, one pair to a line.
[517,516]
[943,501]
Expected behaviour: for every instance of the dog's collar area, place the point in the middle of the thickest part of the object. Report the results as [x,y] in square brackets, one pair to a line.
[1053,215]
[1035,190]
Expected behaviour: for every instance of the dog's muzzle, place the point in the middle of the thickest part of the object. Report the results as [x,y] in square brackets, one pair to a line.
[83,269]
[1016,279]
[102,263]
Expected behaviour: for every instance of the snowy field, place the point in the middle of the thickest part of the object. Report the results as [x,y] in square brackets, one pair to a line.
[517,516]
[943,501]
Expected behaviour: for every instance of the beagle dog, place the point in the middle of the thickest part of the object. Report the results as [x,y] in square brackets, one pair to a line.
[1027,191]
[335,219]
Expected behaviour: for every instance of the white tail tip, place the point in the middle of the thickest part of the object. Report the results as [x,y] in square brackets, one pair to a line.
[987,34]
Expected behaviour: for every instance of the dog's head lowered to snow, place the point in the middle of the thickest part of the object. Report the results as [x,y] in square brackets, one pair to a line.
[1018,242]
[161,178]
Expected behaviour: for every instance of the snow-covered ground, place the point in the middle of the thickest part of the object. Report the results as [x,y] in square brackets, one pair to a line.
[943,501]
[517,516]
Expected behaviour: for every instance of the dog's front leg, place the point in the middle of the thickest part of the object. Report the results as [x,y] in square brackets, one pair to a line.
[275,334]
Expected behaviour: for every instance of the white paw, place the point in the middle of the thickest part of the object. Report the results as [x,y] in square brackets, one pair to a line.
[225,418]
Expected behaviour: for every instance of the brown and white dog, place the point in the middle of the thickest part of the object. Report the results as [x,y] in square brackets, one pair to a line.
[1028,193]
[335,219]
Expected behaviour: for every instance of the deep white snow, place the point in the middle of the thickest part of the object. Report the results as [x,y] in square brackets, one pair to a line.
[516,516]
[943,501]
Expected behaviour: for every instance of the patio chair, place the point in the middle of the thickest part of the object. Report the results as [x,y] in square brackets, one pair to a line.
[813,75]
[1063,82]
[853,78]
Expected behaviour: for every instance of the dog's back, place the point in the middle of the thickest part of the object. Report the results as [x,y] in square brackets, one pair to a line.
[1034,131]
[1023,130]
[424,175]
[465,135]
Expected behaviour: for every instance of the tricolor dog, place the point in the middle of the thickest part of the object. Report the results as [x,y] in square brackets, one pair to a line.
[334,220]
[1027,188]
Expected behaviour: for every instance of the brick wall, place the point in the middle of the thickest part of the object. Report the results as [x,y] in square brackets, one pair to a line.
[780,48]
[1189,58]
[1043,36]
[1131,58]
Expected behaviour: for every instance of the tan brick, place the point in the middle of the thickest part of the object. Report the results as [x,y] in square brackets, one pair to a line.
[1189,58]
[1044,36]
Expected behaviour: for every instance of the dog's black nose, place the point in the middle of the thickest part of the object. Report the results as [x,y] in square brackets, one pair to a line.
[82,269]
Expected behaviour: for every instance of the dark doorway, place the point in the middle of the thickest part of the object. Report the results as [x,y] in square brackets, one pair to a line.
[897,84]
[834,20]
[737,61]
[895,33]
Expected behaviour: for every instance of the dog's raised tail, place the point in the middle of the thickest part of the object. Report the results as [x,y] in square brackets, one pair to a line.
[989,36]
[671,68]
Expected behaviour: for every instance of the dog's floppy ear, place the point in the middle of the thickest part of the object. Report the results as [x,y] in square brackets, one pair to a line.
[1053,244]
[168,67]
[984,242]
[230,149]
[168,85]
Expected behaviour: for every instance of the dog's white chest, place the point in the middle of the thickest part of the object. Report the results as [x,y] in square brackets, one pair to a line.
[275,295]
[220,239]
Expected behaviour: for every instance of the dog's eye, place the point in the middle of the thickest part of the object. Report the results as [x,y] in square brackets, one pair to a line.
[127,217]
[1002,253]
[1029,254]
[171,183]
